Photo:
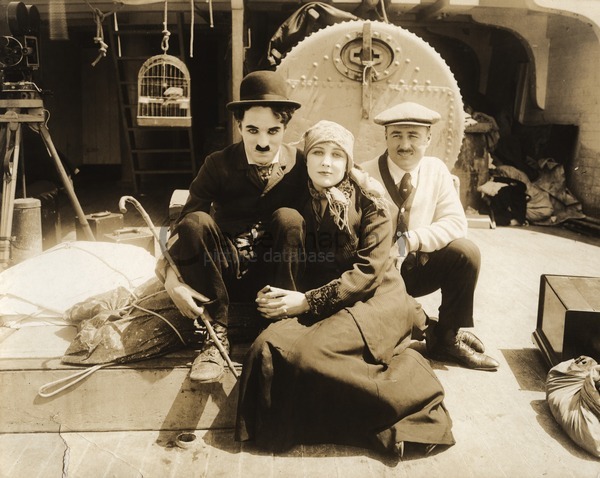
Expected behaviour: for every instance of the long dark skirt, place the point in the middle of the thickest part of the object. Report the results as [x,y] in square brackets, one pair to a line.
[316,382]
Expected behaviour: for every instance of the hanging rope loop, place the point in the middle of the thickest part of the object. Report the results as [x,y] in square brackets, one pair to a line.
[165,41]
[166,33]
[99,38]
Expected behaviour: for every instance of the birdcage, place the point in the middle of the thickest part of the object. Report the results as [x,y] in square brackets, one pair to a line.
[164,92]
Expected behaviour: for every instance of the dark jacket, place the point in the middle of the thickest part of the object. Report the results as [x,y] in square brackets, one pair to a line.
[228,187]
[355,272]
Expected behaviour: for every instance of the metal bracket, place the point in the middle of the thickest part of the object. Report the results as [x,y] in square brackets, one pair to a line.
[366,59]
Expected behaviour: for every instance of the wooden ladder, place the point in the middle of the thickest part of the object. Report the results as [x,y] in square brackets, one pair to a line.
[152,151]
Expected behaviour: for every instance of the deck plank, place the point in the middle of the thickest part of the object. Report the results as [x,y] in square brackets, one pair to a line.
[502,424]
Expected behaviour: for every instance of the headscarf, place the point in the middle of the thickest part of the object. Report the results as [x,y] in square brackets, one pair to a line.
[338,196]
[329,132]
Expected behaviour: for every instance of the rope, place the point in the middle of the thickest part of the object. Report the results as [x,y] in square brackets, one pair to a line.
[72,246]
[99,38]
[210,13]
[30,302]
[367,75]
[166,33]
[116,24]
[163,319]
[368,66]
[46,390]
[192,13]
[383,12]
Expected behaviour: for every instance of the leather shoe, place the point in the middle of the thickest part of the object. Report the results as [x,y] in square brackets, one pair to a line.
[471,340]
[465,336]
[464,355]
[209,365]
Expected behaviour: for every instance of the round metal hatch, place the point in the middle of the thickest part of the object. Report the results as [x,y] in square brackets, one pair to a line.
[351,71]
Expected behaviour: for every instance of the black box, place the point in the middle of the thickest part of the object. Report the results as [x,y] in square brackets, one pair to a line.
[136,236]
[101,223]
[568,322]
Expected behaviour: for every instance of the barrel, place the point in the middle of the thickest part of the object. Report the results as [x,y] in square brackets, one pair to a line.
[26,229]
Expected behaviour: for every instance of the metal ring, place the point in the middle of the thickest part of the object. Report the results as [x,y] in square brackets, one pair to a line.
[285,312]
[185,440]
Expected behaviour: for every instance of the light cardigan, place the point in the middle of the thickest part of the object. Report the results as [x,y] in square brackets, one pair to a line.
[436,216]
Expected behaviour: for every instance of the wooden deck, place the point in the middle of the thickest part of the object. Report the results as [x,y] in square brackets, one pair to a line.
[502,424]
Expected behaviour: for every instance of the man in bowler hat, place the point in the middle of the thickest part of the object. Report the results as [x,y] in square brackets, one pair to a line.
[240,228]
[431,232]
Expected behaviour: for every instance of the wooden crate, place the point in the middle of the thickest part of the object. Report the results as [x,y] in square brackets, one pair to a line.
[568,322]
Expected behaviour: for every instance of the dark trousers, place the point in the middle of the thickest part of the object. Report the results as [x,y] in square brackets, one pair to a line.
[453,269]
[210,264]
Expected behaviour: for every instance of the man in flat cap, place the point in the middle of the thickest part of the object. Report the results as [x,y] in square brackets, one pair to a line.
[431,232]
[240,228]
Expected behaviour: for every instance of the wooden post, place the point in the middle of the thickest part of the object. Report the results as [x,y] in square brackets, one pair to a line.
[237,57]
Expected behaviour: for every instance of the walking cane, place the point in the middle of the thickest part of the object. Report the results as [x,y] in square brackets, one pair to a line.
[197,295]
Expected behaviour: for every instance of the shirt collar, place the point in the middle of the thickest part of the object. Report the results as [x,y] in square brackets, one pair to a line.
[275,160]
[397,172]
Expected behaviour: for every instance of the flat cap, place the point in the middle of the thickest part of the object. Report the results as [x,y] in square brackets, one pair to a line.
[408,113]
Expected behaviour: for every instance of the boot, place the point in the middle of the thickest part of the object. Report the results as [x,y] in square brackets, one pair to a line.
[209,365]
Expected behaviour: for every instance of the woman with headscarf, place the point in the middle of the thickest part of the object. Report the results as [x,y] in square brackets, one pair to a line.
[336,367]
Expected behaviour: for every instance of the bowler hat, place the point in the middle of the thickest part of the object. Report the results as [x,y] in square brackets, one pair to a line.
[408,113]
[263,88]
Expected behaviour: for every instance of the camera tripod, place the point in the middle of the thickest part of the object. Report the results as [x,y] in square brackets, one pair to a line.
[27,108]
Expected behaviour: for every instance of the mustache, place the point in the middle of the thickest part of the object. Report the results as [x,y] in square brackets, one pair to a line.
[263,149]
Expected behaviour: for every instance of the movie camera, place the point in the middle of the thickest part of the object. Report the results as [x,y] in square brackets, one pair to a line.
[19,32]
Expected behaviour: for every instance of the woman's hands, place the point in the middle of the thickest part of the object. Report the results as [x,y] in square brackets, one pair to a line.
[183,296]
[274,303]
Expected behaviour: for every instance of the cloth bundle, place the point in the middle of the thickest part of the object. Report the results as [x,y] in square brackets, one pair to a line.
[306,20]
[539,204]
[574,400]
[120,326]
[508,200]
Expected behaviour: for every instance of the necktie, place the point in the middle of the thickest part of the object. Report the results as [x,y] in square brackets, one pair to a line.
[405,187]
[264,172]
